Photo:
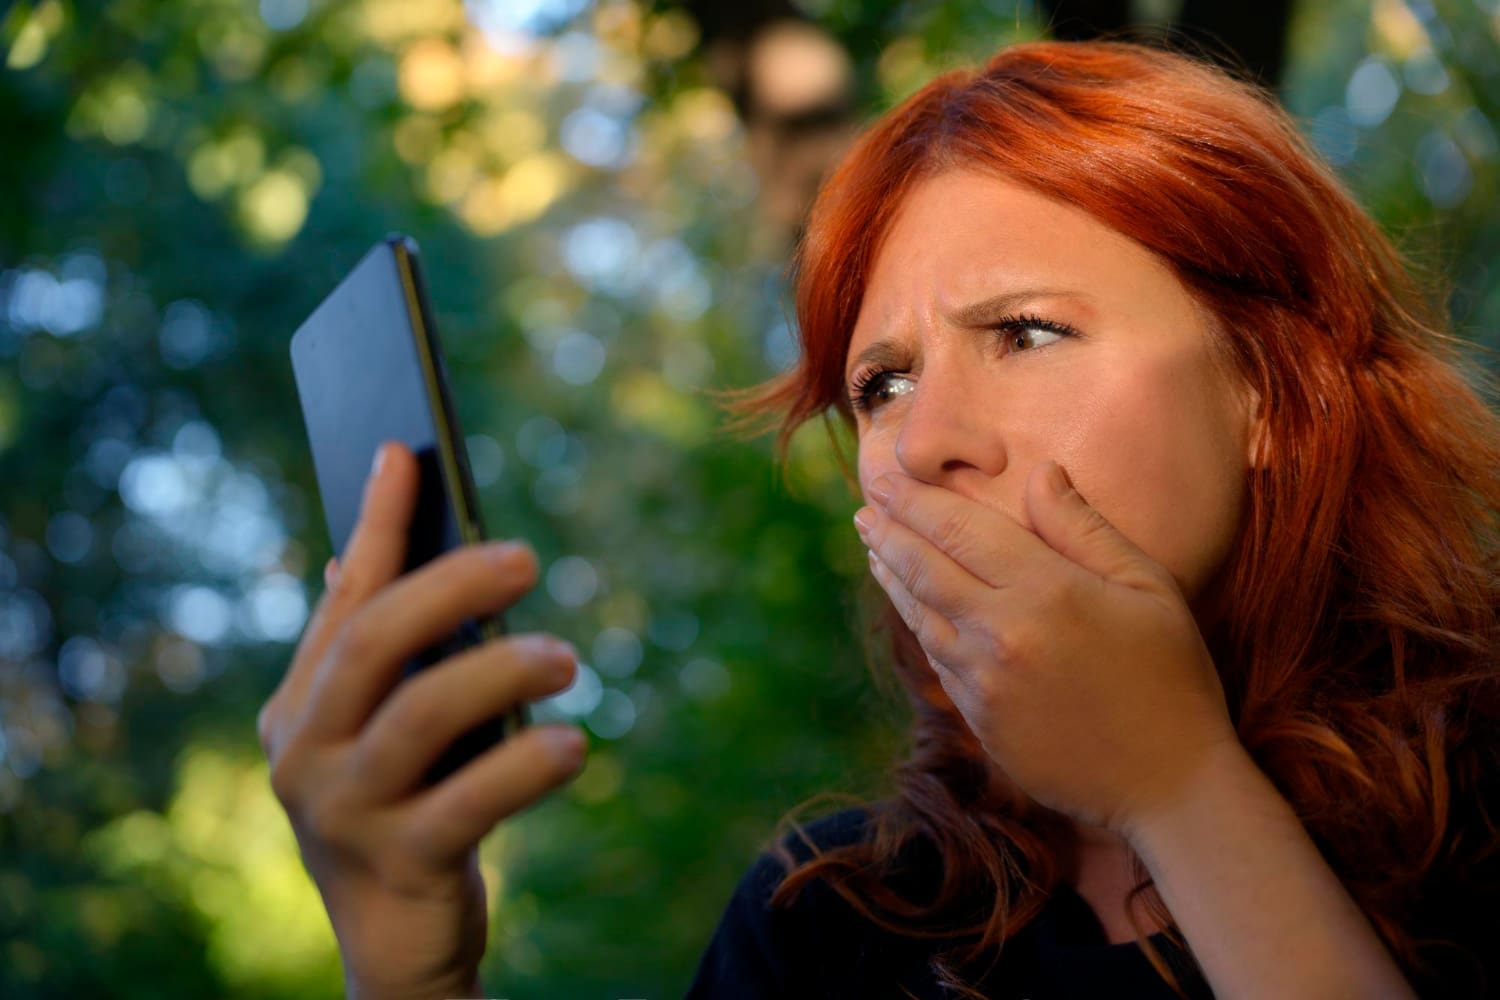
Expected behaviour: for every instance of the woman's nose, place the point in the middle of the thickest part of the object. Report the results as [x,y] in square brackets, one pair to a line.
[947,427]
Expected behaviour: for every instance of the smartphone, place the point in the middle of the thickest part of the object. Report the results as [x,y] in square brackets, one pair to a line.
[369,369]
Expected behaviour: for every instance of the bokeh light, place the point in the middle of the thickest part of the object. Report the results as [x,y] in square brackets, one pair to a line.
[596,234]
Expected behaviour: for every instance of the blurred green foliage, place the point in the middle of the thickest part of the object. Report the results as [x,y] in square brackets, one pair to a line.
[180,185]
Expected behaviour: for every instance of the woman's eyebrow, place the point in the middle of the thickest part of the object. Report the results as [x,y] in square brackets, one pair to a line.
[881,354]
[987,311]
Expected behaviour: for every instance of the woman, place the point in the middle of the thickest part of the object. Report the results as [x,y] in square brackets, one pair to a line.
[1208,706]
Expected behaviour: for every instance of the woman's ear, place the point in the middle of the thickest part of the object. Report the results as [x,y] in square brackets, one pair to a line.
[1258,436]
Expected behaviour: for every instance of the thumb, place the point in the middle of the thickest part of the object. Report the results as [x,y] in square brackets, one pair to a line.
[1064,520]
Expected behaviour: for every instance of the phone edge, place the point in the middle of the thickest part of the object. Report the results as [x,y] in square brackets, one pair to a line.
[470,523]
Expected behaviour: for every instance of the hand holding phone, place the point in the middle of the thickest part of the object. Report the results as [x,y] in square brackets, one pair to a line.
[394,858]
[369,368]
[397,738]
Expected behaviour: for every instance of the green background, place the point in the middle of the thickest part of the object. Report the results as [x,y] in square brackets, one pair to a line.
[180,183]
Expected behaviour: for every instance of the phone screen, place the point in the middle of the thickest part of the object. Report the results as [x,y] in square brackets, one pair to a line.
[369,369]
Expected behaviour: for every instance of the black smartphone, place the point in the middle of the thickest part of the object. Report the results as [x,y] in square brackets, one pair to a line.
[369,369]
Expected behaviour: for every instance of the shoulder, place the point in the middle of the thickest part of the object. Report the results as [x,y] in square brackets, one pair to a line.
[756,886]
[760,950]
[840,829]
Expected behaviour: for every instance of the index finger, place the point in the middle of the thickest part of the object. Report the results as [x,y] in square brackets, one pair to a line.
[373,558]
[988,543]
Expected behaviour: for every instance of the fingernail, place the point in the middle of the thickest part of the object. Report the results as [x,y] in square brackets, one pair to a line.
[558,664]
[561,649]
[1058,479]
[880,489]
[331,573]
[864,519]
[567,743]
[503,551]
[382,457]
[541,645]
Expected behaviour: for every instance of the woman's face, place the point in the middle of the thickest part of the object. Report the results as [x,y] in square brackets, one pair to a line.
[1000,328]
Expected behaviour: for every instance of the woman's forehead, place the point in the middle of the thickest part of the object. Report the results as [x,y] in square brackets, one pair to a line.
[963,241]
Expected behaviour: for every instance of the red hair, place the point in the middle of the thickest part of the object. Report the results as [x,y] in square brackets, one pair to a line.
[1357,624]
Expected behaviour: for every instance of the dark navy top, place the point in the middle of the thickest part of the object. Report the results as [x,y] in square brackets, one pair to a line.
[820,947]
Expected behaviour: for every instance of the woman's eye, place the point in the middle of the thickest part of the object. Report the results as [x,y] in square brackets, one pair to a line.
[1016,337]
[1021,333]
[875,389]
[869,390]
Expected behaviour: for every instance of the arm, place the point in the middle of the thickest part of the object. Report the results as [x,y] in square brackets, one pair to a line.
[1082,671]
[1263,912]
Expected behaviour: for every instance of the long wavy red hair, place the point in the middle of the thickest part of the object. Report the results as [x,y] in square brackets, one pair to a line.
[1358,616]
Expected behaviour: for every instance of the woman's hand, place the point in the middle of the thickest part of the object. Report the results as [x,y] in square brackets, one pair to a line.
[396,862]
[1071,654]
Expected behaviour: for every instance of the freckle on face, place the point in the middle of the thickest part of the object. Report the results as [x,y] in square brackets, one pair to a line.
[1136,407]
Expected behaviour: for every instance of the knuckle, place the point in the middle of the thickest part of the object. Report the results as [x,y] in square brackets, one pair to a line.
[951,531]
[1093,523]
[356,640]
[1053,596]
[915,573]
[332,813]
[900,501]
[1168,583]
[266,723]
[326,819]
[286,782]
[990,686]
[962,606]
[978,676]
[471,803]
[916,620]
[354,584]
[416,711]
[1005,645]
[401,859]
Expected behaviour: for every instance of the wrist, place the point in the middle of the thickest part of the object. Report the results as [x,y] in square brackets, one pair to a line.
[1223,773]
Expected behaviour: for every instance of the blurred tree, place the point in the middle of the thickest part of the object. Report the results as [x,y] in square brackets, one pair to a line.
[183,182]
[793,83]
